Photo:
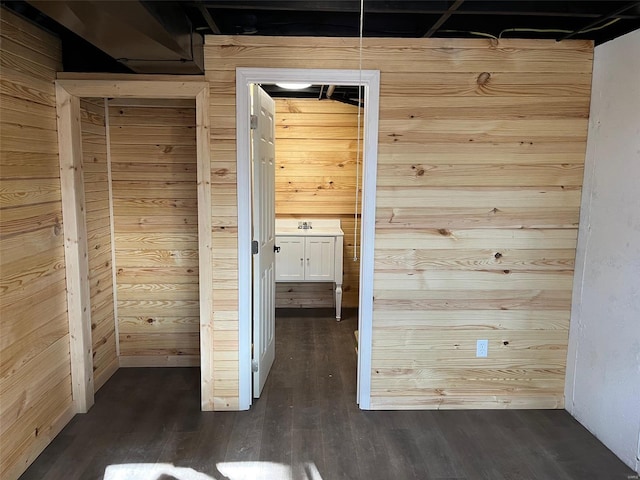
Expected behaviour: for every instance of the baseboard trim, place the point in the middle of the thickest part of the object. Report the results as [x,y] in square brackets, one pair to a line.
[160,361]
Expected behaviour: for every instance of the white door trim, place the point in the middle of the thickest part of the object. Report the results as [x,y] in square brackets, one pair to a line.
[370,79]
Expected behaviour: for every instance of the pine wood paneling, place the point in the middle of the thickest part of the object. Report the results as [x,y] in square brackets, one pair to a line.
[480,164]
[322,181]
[35,376]
[95,168]
[153,152]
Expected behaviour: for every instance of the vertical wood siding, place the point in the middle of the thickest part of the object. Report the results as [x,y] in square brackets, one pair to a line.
[153,153]
[316,178]
[96,187]
[480,165]
[35,383]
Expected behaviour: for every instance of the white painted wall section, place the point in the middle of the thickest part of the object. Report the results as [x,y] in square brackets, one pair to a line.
[603,365]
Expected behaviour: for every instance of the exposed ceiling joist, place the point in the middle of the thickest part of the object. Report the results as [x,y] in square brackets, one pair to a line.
[445,16]
[508,8]
[159,36]
[601,20]
[209,19]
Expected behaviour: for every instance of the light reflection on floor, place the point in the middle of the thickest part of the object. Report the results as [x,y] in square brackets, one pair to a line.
[227,471]
[152,471]
[268,471]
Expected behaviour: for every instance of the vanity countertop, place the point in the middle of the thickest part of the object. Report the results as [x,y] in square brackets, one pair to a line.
[319,228]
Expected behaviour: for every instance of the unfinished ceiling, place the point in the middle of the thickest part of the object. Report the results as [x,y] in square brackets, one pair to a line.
[167,34]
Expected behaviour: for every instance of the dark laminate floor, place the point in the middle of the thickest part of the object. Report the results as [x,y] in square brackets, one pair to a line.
[307,422]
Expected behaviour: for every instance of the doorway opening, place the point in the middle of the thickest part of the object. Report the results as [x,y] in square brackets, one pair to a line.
[69,93]
[369,80]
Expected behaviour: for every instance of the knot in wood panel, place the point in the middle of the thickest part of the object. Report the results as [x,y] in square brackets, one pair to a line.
[419,170]
[483,78]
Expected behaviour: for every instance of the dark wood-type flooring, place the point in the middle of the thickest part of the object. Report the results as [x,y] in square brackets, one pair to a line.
[307,421]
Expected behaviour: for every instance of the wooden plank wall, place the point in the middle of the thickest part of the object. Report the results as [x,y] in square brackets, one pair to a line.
[96,187]
[316,146]
[481,154]
[35,383]
[153,153]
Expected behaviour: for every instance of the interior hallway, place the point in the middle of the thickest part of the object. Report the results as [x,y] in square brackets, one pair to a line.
[307,421]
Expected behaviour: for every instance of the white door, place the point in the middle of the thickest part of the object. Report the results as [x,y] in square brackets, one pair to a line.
[264,286]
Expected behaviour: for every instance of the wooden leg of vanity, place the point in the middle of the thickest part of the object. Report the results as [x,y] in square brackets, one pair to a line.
[338,301]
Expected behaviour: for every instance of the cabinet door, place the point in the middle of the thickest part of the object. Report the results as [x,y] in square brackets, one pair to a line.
[319,259]
[290,259]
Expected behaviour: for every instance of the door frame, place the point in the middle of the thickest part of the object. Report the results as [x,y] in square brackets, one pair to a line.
[70,88]
[370,80]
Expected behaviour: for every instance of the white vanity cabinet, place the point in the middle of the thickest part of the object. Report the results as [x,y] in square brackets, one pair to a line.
[290,259]
[310,254]
[305,259]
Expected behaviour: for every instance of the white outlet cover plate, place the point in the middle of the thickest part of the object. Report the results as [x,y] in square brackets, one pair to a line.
[482,348]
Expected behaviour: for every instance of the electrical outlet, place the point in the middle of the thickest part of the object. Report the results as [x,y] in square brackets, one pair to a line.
[482,348]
